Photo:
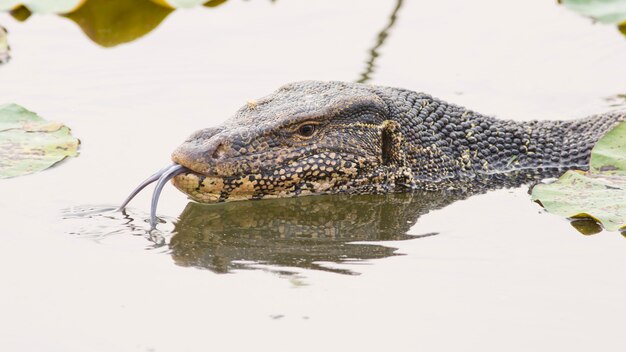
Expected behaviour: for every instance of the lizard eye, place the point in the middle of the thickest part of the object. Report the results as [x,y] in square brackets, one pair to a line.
[306,130]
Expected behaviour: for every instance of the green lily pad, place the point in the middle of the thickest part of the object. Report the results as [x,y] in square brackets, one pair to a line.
[604,11]
[42,6]
[28,143]
[609,153]
[4,46]
[599,193]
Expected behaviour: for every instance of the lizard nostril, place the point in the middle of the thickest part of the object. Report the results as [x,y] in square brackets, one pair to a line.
[219,151]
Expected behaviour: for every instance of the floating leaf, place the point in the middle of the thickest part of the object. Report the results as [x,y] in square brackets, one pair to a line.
[585,195]
[214,3]
[21,13]
[28,143]
[42,6]
[106,22]
[600,193]
[604,11]
[113,22]
[179,3]
[609,153]
[4,46]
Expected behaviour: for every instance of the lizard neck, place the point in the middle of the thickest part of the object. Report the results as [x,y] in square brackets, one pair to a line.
[444,142]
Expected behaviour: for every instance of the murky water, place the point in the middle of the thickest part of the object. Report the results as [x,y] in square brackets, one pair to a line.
[439,272]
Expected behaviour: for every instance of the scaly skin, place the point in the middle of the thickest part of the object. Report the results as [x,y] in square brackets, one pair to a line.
[372,139]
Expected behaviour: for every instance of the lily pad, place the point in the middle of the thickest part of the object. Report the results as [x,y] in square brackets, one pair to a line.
[179,3]
[106,22]
[609,153]
[598,194]
[28,143]
[604,11]
[113,22]
[4,46]
[42,6]
[214,3]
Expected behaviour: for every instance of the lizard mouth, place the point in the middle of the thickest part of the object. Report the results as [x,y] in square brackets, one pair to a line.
[253,176]
[211,189]
[307,174]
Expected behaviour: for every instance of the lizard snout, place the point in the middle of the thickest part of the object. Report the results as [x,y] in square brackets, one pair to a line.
[202,150]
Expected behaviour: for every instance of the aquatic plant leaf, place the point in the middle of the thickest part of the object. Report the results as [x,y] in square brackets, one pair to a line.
[28,143]
[21,13]
[599,193]
[609,153]
[584,195]
[604,11]
[174,4]
[108,23]
[42,6]
[4,46]
[214,3]
[113,22]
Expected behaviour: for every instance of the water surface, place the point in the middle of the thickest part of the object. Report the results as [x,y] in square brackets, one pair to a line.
[489,271]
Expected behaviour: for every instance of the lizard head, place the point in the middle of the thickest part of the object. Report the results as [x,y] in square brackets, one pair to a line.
[305,138]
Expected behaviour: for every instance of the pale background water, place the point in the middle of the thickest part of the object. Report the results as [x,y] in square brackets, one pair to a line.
[500,275]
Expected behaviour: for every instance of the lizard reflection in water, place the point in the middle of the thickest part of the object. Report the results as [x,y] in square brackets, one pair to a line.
[295,232]
[304,232]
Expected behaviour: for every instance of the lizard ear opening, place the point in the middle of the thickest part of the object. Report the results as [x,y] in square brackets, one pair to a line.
[391,143]
[387,146]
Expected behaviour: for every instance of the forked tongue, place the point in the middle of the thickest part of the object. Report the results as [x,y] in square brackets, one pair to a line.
[169,174]
[162,176]
[143,185]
